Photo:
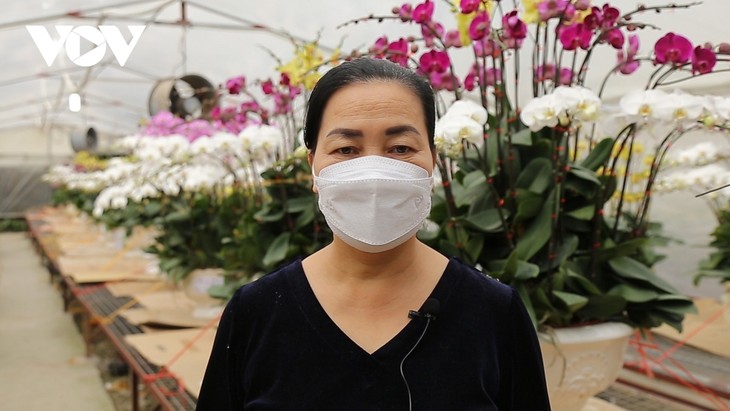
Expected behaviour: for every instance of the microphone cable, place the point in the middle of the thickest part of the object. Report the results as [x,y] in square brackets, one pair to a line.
[405,381]
[429,311]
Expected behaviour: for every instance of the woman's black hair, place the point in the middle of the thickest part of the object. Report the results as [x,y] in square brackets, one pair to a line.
[363,70]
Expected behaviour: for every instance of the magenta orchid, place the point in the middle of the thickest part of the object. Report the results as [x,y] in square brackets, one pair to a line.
[515,30]
[574,36]
[550,9]
[469,6]
[672,49]
[235,84]
[480,26]
[434,61]
[423,12]
[703,60]
[628,64]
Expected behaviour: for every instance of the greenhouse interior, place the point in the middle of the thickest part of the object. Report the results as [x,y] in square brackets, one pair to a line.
[174,232]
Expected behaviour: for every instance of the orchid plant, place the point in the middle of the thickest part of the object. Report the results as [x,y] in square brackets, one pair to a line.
[536,184]
[226,191]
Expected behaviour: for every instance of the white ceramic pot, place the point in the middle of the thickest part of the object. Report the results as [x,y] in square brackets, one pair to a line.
[580,362]
[197,283]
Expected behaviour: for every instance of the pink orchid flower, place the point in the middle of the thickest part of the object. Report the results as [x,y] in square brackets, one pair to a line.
[574,36]
[480,26]
[405,12]
[434,61]
[628,64]
[672,48]
[236,84]
[548,9]
[469,6]
[452,39]
[398,52]
[423,12]
[515,30]
[431,31]
[703,60]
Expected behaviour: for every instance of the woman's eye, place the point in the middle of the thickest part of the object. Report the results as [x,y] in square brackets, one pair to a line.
[401,149]
[345,150]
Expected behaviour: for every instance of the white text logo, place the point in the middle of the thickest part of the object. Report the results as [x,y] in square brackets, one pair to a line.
[70,37]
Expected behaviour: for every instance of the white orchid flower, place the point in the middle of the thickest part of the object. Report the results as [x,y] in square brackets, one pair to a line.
[678,107]
[544,111]
[469,109]
[581,103]
[452,129]
[641,103]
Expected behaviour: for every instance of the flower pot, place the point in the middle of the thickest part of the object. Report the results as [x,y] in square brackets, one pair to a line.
[582,361]
[197,283]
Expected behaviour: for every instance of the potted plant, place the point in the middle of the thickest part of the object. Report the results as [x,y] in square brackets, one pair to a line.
[535,189]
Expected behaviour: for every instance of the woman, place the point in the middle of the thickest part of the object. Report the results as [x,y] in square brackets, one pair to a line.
[341,329]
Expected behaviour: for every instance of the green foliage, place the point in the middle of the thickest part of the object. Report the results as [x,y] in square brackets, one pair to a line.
[8,225]
[82,200]
[717,265]
[533,216]
[286,225]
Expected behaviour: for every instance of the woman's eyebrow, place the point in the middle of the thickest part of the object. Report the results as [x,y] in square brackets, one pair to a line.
[396,130]
[390,131]
[345,132]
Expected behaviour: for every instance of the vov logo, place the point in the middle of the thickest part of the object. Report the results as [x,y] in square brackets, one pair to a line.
[70,37]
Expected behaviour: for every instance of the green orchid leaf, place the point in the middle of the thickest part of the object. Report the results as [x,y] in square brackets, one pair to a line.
[584,174]
[305,217]
[487,221]
[579,282]
[630,269]
[574,302]
[583,213]
[521,289]
[177,216]
[723,275]
[264,216]
[474,179]
[536,176]
[598,155]
[626,248]
[634,294]
[538,233]
[474,247]
[528,205]
[564,250]
[278,249]
[522,137]
[513,269]
[602,307]
[526,271]
[152,209]
[297,205]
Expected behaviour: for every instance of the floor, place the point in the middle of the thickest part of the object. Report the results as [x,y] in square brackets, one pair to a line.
[43,365]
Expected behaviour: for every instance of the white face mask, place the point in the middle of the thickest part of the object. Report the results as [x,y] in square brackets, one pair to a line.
[374,203]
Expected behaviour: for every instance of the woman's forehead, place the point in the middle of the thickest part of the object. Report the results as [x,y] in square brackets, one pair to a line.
[373,100]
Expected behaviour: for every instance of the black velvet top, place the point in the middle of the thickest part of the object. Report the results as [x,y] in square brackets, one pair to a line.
[277,349]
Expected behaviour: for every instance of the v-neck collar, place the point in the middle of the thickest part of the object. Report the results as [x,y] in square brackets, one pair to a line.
[332,334]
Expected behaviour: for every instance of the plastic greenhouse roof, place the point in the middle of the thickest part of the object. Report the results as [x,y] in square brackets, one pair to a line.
[217,39]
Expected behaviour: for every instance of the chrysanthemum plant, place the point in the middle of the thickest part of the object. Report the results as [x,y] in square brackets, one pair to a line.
[532,190]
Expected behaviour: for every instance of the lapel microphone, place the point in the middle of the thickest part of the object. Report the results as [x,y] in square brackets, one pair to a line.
[429,310]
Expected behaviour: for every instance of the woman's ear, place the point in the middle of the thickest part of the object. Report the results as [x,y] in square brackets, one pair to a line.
[310,160]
